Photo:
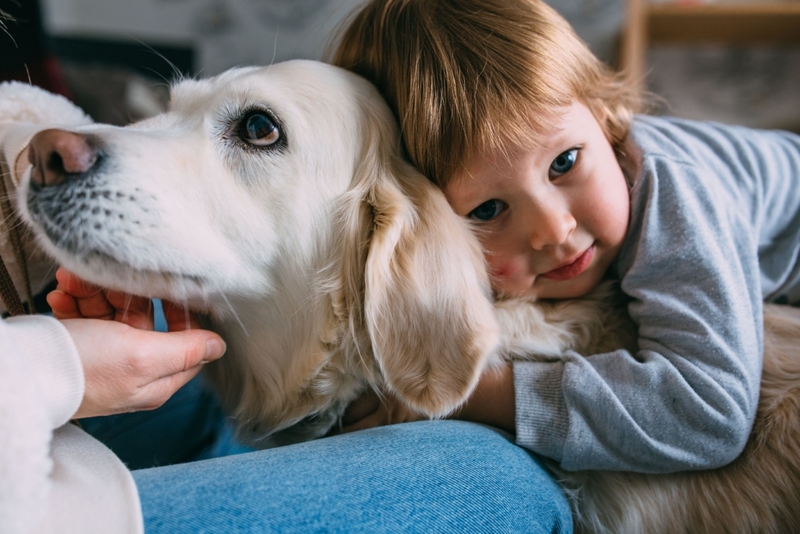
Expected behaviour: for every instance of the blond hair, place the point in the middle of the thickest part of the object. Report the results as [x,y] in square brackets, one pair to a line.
[467,76]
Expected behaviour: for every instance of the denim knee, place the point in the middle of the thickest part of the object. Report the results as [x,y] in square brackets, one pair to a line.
[432,476]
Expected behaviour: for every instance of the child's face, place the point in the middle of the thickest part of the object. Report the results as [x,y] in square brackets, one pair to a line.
[551,218]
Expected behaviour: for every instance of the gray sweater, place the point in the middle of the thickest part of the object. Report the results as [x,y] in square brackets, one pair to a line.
[714,231]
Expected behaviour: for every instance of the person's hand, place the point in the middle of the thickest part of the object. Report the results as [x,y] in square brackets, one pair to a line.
[127,367]
[74,298]
[371,410]
[492,402]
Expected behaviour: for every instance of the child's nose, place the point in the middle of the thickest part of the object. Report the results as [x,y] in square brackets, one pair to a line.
[552,227]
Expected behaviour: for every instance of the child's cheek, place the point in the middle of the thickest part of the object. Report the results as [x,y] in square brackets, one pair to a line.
[502,273]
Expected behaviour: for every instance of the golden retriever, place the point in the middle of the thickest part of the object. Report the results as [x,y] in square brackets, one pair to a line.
[277,200]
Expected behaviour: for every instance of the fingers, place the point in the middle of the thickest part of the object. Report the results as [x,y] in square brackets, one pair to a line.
[74,298]
[371,410]
[130,309]
[178,317]
[367,403]
[176,358]
[156,393]
[65,299]
[126,369]
[63,305]
[380,417]
[71,284]
[90,300]
[164,354]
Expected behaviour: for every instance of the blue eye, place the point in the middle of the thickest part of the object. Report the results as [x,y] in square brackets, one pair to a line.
[564,162]
[257,128]
[488,210]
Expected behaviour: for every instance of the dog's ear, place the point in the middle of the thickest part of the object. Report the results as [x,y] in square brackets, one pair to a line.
[427,308]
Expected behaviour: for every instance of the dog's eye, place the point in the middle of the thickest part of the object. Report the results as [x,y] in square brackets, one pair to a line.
[257,128]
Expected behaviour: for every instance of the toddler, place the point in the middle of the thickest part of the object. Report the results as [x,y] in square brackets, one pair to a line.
[535,140]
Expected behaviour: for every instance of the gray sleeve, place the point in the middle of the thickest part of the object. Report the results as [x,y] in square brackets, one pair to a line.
[687,398]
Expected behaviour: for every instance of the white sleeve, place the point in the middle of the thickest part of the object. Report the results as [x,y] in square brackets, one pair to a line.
[41,386]
[53,476]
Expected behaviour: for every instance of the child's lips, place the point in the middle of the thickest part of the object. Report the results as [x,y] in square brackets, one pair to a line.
[571,270]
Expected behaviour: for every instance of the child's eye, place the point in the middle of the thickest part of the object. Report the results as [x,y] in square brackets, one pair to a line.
[563,163]
[488,210]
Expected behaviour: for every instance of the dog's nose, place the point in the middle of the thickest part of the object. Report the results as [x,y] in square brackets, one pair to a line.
[58,153]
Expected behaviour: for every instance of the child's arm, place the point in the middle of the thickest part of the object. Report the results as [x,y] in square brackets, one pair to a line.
[491,403]
[714,230]
[687,398]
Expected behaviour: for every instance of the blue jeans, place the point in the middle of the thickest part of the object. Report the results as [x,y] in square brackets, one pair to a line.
[431,476]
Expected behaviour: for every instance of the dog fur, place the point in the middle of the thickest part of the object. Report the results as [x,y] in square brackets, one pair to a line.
[330,265]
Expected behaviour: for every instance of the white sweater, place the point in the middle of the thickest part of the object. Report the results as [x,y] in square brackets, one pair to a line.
[54,477]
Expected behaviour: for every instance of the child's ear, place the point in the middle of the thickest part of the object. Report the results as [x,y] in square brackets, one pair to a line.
[427,303]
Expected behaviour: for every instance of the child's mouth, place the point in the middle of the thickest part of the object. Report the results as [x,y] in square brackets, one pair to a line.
[571,270]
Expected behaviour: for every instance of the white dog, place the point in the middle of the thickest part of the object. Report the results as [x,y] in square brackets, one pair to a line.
[277,200]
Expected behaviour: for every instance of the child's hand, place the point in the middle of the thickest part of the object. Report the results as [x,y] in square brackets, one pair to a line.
[74,298]
[371,410]
[492,402]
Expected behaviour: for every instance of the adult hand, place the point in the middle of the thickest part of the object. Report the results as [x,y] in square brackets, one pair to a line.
[127,367]
[74,298]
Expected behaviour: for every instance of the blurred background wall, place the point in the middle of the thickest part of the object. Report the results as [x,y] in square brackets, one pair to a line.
[102,43]
[225,33]
[222,33]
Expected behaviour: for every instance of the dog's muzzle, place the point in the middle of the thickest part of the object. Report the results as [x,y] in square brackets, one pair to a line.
[76,202]
[57,155]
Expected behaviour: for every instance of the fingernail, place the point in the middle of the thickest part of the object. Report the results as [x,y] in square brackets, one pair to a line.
[215,348]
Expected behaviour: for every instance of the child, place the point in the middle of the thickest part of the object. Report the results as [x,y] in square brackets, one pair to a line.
[535,140]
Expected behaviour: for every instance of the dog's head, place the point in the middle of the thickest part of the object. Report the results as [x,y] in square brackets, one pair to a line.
[276,198]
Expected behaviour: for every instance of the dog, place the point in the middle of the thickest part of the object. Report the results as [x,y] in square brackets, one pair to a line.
[277,200]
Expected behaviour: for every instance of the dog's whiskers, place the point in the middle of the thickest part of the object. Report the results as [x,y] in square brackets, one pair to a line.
[16,220]
[274,51]
[179,76]
[5,221]
[126,306]
[51,271]
[187,314]
[235,315]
